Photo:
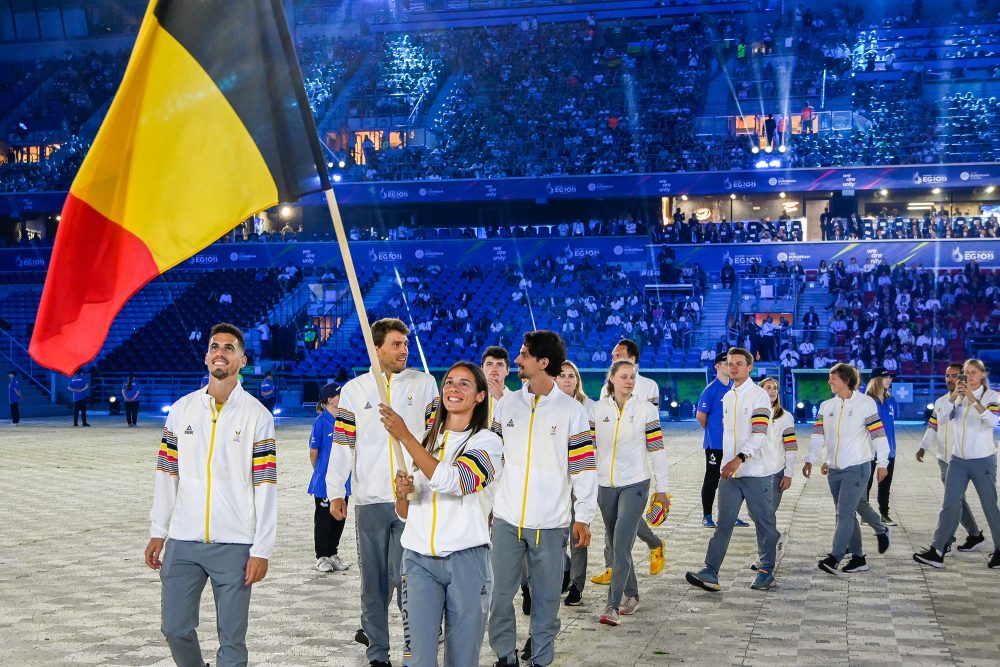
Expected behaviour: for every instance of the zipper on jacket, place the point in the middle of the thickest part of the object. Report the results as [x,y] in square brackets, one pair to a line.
[208,468]
[836,452]
[392,463]
[736,404]
[434,496]
[527,469]
[614,447]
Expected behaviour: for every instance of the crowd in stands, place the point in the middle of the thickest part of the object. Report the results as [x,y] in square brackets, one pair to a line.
[327,64]
[905,318]
[547,99]
[406,75]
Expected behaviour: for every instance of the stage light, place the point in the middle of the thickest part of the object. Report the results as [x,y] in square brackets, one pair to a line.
[782,148]
[58,218]
[277,411]
[329,165]
[990,190]
[732,196]
[341,164]
[684,197]
[285,212]
[164,409]
[883,192]
[337,178]
[114,406]
[768,149]
[781,194]
[755,150]
[675,411]
[761,164]
[774,163]
[936,191]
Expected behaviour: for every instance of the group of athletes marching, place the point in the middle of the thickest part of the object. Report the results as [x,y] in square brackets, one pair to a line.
[501,482]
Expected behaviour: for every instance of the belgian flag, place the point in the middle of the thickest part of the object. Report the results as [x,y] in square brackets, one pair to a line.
[210,125]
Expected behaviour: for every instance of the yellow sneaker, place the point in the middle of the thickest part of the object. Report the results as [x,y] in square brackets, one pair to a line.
[604,579]
[656,560]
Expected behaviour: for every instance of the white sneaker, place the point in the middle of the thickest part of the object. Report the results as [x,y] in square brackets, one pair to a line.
[338,564]
[629,606]
[323,564]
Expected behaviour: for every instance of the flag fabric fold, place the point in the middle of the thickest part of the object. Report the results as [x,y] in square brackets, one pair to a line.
[209,126]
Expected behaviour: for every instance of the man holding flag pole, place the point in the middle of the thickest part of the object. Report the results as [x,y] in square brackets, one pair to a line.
[210,126]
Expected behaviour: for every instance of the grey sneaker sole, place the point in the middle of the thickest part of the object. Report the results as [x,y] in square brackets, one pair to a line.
[925,561]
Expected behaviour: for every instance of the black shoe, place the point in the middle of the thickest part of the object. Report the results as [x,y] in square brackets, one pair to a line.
[526,651]
[829,565]
[504,663]
[856,564]
[525,600]
[884,540]
[573,597]
[930,557]
[994,563]
[360,637]
[565,583]
[86,424]
[887,520]
[379,663]
[972,543]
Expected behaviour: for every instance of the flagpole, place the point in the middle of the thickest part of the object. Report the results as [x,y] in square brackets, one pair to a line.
[359,305]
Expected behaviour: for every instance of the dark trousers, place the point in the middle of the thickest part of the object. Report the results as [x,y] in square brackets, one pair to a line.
[15,413]
[883,486]
[79,409]
[269,403]
[713,465]
[326,529]
[131,412]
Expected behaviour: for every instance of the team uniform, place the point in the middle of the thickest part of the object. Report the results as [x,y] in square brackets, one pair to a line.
[445,567]
[327,530]
[548,451]
[216,499]
[973,459]
[131,399]
[363,451]
[939,438]
[629,440]
[849,429]
[746,413]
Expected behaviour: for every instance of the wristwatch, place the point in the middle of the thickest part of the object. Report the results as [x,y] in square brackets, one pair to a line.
[742,457]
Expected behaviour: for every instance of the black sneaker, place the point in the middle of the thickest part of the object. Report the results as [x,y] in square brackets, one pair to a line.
[856,564]
[887,520]
[565,582]
[379,663]
[829,565]
[360,637]
[972,543]
[884,540]
[994,563]
[573,597]
[503,663]
[930,557]
[526,651]
[525,600]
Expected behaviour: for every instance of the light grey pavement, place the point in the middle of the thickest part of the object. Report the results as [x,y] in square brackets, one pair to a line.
[74,589]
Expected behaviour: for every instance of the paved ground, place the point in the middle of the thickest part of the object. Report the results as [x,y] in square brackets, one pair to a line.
[74,590]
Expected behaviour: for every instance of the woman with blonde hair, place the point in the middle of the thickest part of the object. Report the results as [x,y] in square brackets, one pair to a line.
[975,412]
[780,452]
[629,442]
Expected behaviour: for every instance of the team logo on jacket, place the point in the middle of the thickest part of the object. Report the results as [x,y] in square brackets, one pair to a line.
[631,419]
[607,420]
[236,436]
[553,429]
[189,430]
[510,423]
[409,399]
[368,405]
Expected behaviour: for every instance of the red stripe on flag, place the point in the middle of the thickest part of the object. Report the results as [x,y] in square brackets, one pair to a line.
[97,265]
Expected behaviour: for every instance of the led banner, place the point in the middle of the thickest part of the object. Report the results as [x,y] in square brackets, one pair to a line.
[618,186]
[487,254]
